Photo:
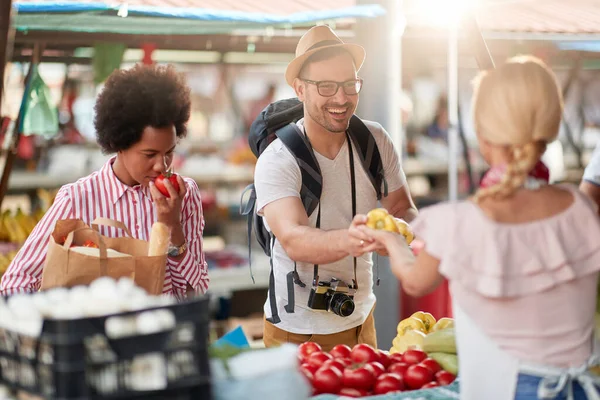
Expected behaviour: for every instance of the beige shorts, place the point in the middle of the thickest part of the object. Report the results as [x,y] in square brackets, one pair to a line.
[365,333]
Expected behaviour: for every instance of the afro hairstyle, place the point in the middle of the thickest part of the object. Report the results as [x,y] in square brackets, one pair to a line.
[133,99]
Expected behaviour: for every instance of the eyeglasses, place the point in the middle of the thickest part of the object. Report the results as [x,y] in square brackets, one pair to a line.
[330,88]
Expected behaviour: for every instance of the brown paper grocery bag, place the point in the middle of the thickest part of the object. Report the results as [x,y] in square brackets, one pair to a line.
[65,267]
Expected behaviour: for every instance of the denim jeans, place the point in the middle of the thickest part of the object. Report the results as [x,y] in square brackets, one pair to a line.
[527,386]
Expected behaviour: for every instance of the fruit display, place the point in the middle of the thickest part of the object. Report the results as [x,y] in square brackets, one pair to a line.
[441,346]
[422,332]
[365,371]
[415,330]
[5,260]
[379,218]
[16,226]
[14,230]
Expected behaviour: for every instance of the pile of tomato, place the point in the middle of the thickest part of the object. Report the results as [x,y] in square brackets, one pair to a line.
[365,371]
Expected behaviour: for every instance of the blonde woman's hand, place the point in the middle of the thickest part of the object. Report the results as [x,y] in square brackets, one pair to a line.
[394,244]
[381,241]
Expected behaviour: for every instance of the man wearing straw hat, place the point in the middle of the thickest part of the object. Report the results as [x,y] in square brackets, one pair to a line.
[324,77]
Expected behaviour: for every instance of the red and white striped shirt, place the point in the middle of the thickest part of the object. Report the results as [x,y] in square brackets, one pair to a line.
[101,194]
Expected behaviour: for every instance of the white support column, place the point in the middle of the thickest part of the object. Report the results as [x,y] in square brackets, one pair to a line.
[453,144]
[380,102]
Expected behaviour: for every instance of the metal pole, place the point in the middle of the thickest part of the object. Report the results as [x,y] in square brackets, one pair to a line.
[394,75]
[453,110]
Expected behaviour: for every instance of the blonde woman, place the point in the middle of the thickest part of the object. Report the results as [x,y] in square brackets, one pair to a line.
[522,257]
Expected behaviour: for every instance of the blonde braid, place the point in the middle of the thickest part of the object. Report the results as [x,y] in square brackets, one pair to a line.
[523,159]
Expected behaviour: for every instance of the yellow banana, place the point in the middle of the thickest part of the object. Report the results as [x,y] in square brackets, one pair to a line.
[25,221]
[4,236]
[39,214]
[15,231]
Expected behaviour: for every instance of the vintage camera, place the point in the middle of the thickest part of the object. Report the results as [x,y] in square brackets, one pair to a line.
[334,296]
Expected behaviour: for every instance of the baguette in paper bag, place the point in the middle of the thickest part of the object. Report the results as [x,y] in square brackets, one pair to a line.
[159,240]
[126,256]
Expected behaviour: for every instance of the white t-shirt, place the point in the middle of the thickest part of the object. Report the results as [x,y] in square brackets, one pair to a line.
[277,176]
[592,171]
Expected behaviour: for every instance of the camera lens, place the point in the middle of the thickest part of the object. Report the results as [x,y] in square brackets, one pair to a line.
[341,304]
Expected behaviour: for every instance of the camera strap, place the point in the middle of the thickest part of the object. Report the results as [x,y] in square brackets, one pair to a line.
[353,188]
[293,277]
[353,184]
[318,225]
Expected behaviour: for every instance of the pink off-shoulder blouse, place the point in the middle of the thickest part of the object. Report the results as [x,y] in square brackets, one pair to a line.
[531,287]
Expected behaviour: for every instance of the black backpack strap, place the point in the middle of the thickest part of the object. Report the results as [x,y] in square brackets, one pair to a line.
[248,211]
[272,300]
[312,181]
[353,194]
[289,307]
[310,193]
[316,266]
[369,155]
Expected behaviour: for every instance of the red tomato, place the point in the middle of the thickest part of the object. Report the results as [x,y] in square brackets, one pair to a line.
[306,348]
[341,351]
[160,183]
[398,368]
[416,376]
[363,353]
[396,358]
[359,378]
[327,380]
[444,378]
[346,361]
[431,364]
[309,375]
[310,368]
[387,383]
[376,367]
[429,385]
[335,364]
[352,392]
[89,243]
[384,359]
[413,356]
[318,358]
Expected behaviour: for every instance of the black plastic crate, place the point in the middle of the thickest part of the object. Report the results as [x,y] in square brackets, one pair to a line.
[74,359]
[191,393]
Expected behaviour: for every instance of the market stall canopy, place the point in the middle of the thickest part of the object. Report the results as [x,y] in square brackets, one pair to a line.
[554,30]
[575,17]
[148,17]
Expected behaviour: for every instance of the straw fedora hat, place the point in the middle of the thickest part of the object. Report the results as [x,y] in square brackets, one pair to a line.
[318,38]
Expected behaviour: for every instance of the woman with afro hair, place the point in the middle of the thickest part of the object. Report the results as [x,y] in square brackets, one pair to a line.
[141,114]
